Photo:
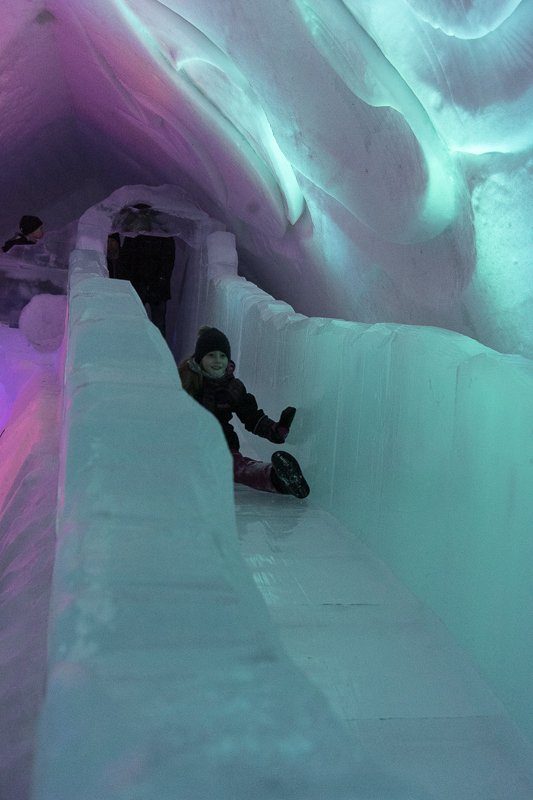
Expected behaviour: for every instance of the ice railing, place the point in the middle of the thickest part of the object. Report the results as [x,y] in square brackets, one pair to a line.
[421,441]
[165,677]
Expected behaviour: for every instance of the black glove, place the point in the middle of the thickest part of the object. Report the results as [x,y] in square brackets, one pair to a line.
[280,430]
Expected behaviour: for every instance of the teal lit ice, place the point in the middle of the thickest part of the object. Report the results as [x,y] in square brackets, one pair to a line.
[353,183]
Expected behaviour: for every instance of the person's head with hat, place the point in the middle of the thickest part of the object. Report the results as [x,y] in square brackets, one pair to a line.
[212,352]
[31,227]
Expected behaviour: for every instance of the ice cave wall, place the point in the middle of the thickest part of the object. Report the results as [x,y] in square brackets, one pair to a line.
[373,158]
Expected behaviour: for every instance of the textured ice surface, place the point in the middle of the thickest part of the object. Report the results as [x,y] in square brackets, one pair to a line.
[21,281]
[504,273]
[419,440]
[42,321]
[221,253]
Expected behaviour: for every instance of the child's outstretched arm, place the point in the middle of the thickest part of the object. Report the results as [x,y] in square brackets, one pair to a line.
[275,432]
[256,421]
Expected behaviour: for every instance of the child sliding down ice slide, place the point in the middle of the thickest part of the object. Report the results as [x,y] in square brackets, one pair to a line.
[208,377]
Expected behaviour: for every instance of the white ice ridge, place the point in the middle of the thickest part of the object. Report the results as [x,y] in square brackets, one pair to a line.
[464,20]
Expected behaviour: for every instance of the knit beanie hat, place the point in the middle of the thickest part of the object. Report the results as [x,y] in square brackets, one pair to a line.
[210,339]
[29,224]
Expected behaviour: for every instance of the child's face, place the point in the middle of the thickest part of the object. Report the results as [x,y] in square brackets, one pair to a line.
[37,234]
[214,364]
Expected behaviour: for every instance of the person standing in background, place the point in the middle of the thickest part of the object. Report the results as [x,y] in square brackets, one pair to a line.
[147,262]
[113,254]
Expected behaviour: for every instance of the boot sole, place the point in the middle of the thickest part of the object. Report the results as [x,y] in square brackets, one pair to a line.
[289,474]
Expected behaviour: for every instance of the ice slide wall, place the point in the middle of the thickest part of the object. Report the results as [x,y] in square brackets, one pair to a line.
[165,677]
[421,441]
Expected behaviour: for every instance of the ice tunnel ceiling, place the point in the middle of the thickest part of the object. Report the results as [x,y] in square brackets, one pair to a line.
[373,157]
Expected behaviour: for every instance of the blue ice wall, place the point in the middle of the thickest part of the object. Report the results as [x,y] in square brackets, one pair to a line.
[420,441]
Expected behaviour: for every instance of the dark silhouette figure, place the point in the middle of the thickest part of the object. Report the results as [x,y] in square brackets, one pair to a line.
[31,229]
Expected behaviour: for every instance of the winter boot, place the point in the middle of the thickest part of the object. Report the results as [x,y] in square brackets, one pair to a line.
[287,476]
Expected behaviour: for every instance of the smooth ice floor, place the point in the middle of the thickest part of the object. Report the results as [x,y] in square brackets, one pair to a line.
[388,666]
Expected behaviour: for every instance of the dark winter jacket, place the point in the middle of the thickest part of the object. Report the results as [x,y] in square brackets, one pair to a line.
[148,261]
[18,239]
[226,396]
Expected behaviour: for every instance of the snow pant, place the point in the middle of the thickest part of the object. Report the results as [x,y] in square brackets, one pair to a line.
[256,474]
